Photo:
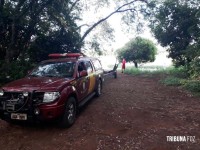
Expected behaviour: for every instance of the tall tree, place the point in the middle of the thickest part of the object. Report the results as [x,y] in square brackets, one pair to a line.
[138,50]
[23,21]
[176,26]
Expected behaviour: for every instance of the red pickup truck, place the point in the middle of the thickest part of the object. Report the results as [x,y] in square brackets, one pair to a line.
[53,90]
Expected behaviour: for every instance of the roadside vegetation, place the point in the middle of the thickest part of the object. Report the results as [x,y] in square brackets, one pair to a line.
[169,76]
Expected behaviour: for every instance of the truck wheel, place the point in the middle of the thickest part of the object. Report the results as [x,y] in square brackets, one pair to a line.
[99,88]
[69,115]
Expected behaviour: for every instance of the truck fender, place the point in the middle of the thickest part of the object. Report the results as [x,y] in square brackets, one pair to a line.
[67,92]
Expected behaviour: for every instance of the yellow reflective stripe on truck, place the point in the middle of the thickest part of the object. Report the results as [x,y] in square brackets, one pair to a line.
[92,83]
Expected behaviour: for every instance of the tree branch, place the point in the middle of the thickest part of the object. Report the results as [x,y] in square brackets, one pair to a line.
[131,9]
[73,5]
[82,26]
[118,10]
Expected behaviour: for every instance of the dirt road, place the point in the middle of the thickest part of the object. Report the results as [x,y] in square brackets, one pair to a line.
[132,113]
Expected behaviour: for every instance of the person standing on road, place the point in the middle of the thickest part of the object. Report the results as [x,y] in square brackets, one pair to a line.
[123,65]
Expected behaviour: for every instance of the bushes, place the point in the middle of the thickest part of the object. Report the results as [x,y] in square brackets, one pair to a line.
[172,81]
[193,86]
[181,77]
[180,72]
[195,68]
[14,70]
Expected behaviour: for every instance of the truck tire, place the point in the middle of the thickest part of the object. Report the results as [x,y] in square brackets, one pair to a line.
[99,88]
[69,115]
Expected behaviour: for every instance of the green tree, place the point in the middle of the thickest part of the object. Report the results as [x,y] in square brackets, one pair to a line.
[138,50]
[176,26]
[31,29]
[24,21]
[57,42]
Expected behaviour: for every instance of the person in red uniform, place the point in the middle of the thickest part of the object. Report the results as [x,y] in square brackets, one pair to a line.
[123,65]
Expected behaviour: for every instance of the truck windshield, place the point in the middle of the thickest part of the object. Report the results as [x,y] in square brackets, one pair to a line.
[54,69]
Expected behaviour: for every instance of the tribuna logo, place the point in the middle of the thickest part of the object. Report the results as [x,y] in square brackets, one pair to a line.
[181,139]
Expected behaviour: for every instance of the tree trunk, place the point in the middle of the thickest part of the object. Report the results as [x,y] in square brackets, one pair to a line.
[136,64]
[10,50]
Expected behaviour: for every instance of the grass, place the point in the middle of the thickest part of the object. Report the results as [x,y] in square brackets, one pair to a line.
[155,70]
[135,71]
[169,76]
[172,81]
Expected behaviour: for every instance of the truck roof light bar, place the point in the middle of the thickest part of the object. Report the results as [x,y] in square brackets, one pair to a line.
[65,55]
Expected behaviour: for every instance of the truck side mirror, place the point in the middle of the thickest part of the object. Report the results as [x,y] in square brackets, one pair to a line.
[83,73]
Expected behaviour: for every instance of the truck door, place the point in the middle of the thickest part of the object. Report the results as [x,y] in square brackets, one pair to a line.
[91,76]
[82,82]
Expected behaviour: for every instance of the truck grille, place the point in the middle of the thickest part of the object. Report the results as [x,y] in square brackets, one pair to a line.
[14,101]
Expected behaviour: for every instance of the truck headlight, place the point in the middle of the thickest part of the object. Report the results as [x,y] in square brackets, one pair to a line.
[25,94]
[50,96]
[1,92]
